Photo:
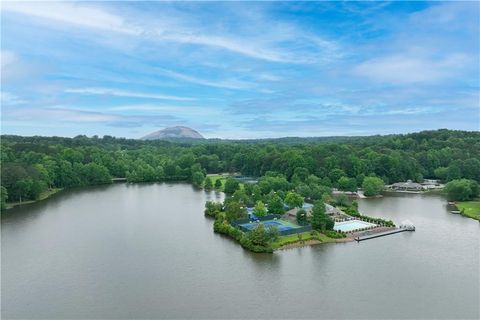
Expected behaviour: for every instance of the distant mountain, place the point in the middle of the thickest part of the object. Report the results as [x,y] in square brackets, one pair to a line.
[178,132]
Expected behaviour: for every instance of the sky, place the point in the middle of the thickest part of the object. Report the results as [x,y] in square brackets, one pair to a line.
[239,70]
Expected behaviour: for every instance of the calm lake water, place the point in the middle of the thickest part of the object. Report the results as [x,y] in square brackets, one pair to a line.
[147,251]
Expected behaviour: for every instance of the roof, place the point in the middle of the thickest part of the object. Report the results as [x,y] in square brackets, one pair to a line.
[409,184]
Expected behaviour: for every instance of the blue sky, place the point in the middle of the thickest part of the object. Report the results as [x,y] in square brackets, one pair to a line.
[239,69]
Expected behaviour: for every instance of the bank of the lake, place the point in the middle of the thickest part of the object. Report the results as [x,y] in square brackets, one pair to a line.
[43,196]
[303,239]
[469,209]
[146,251]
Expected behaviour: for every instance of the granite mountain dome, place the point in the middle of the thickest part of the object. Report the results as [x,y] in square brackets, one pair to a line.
[177,132]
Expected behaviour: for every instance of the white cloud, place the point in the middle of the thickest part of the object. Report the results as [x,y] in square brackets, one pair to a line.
[182,30]
[7,58]
[60,114]
[8,98]
[227,84]
[248,47]
[71,13]
[13,67]
[122,93]
[269,77]
[190,110]
[448,15]
[405,69]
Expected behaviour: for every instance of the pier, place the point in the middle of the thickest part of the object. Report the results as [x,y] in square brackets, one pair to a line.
[403,228]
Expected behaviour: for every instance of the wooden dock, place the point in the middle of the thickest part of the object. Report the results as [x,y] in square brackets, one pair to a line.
[383,234]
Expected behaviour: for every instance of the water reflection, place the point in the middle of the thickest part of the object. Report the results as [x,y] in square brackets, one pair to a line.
[148,251]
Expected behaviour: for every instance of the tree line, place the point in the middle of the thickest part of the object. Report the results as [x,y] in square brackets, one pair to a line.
[32,165]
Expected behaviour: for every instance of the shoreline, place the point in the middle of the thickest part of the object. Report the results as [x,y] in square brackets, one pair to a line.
[349,238]
[469,209]
[43,196]
[313,242]
[415,192]
[307,239]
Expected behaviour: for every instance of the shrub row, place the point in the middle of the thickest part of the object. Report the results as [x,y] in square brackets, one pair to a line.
[352,211]
[222,226]
[334,234]
[212,208]
[313,236]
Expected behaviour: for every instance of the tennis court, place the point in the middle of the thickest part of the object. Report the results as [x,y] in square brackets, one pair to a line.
[282,225]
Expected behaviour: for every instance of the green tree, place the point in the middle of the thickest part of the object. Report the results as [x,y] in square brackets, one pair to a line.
[208,183]
[441,173]
[23,188]
[93,174]
[197,178]
[336,174]
[170,170]
[241,197]
[36,188]
[262,236]
[320,220]
[275,204]
[271,233]
[372,186]
[273,182]
[160,173]
[299,174]
[326,198]
[347,184]
[304,190]
[248,187]
[212,208]
[301,217]
[3,198]
[359,178]
[44,174]
[231,185]
[318,191]
[258,235]
[454,172]
[234,210]
[462,189]
[342,200]
[471,169]
[32,164]
[218,184]
[294,200]
[259,210]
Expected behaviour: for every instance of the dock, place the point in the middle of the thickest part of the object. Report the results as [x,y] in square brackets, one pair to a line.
[387,233]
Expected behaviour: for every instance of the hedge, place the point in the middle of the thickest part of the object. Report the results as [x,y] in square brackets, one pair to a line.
[222,226]
[352,211]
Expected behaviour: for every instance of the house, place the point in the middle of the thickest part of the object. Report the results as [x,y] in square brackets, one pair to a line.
[329,209]
[407,186]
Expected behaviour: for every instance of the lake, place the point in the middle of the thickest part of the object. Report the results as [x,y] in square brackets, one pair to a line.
[147,251]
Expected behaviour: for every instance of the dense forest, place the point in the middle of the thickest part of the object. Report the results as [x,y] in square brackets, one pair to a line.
[31,165]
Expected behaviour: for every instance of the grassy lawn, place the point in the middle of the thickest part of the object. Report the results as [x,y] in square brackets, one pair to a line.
[470,209]
[44,195]
[218,177]
[215,177]
[284,240]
